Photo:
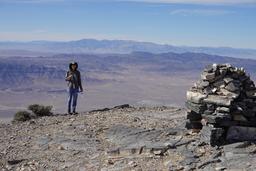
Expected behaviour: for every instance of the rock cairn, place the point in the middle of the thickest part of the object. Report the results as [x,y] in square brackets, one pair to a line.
[223,105]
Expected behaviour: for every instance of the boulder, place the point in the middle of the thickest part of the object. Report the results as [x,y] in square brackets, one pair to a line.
[223,109]
[240,133]
[208,76]
[195,97]
[198,108]
[218,100]
[211,135]
[193,116]
[228,80]
[230,94]
[239,118]
[232,86]
[251,94]
[202,84]
[217,118]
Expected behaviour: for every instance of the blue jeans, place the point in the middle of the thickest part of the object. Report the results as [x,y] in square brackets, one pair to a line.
[72,99]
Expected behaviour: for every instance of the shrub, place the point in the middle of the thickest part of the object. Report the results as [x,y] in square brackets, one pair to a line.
[40,110]
[22,116]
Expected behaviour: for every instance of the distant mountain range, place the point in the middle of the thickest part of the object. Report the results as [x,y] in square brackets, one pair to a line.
[26,71]
[46,48]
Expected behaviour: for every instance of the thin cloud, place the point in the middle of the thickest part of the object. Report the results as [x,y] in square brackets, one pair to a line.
[205,12]
[39,31]
[31,1]
[207,2]
[51,1]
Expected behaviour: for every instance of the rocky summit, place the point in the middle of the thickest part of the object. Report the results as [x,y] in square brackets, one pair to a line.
[223,105]
[119,138]
[220,117]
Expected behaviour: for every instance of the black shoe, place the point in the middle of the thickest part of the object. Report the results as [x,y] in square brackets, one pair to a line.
[74,113]
[69,113]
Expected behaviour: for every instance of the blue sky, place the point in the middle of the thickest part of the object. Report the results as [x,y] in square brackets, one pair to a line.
[178,22]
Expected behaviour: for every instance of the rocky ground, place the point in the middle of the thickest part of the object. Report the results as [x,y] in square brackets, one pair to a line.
[121,138]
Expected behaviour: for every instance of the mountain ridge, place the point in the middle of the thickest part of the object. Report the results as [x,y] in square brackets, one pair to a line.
[119,46]
[15,69]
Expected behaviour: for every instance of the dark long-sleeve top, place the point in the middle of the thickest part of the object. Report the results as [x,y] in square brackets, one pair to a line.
[75,80]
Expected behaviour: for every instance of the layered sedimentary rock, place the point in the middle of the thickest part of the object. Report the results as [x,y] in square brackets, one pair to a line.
[223,100]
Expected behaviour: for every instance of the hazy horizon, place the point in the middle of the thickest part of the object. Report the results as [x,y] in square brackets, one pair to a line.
[194,23]
[99,39]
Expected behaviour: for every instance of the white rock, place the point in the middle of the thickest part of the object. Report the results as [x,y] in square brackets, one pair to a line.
[218,100]
[195,97]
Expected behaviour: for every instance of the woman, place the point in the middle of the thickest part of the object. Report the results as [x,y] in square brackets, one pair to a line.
[73,78]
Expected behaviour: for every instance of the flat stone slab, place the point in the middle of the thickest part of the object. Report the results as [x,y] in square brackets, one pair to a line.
[198,108]
[239,156]
[218,100]
[240,133]
[150,141]
[195,97]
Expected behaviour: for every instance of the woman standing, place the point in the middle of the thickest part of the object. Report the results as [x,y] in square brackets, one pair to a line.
[73,78]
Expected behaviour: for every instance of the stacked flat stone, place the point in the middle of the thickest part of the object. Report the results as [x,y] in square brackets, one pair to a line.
[224,98]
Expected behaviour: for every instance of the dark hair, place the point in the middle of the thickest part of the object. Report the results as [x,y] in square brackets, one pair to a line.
[73,63]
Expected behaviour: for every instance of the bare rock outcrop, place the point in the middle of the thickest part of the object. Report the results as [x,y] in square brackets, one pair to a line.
[223,105]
